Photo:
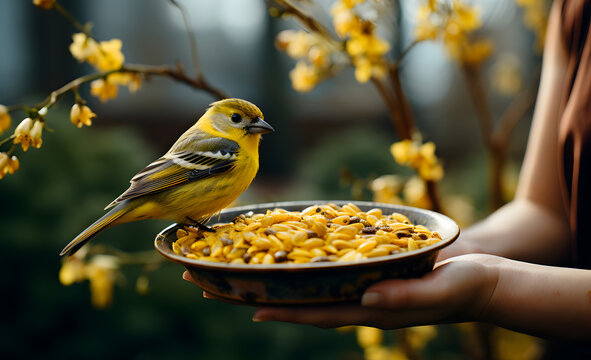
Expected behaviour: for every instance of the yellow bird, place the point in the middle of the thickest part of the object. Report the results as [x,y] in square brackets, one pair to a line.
[206,169]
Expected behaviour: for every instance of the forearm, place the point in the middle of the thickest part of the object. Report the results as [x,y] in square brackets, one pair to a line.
[541,300]
[521,230]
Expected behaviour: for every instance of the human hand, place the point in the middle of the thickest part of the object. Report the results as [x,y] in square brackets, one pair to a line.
[458,290]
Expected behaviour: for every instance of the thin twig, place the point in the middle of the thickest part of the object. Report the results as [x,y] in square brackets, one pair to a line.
[404,52]
[192,40]
[176,73]
[399,95]
[394,110]
[478,95]
[514,113]
[75,23]
[307,20]
[4,141]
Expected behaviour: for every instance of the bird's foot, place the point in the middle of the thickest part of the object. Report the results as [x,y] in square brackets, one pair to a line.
[196,224]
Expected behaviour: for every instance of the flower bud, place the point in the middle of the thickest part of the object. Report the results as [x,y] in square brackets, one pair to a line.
[36,131]
[81,115]
[23,133]
[5,119]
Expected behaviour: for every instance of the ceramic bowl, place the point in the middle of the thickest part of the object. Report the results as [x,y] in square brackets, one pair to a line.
[312,283]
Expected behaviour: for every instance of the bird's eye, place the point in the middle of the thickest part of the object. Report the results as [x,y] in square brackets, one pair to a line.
[236,118]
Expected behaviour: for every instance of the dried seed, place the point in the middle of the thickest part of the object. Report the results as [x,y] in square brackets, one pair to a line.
[280,256]
[299,237]
[341,220]
[367,246]
[377,252]
[311,234]
[227,241]
[320,232]
[342,244]
[375,212]
[317,252]
[206,251]
[372,220]
[369,230]
[262,243]
[403,234]
[312,243]
[319,259]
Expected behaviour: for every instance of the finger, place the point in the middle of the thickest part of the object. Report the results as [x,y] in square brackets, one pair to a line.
[337,316]
[322,316]
[187,276]
[398,294]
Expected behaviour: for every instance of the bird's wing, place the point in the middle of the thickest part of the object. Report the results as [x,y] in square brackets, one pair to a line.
[206,157]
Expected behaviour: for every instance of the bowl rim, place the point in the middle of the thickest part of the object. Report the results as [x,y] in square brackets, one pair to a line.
[167,252]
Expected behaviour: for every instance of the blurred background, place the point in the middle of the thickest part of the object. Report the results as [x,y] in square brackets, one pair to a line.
[326,141]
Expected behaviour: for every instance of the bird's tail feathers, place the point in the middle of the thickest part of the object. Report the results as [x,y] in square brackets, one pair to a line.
[90,232]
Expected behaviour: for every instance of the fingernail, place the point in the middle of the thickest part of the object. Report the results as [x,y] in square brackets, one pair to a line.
[371,299]
[206,295]
[258,317]
[186,276]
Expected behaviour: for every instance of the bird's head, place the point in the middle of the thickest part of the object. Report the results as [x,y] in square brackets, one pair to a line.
[237,117]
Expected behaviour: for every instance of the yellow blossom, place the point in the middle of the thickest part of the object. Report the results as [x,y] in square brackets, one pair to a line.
[105,55]
[81,115]
[419,157]
[3,163]
[101,272]
[454,24]
[466,16]
[5,119]
[8,165]
[72,270]
[319,57]
[142,285]
[476,52]
[44,4]
[386,189]
[299,44]
[132,80]
[369,336]
[351,3]
[380,353]
[110,55]
[103,89]
[304,77]
[84,48]
[344,20]
[36,131]
[365,69]
[415,193]
[418,336]
[101,287]
[425,31]
[505,76]
[23,133]
[367,44]
[13,165]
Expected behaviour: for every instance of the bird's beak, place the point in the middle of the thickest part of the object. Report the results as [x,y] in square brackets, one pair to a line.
[258,126]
